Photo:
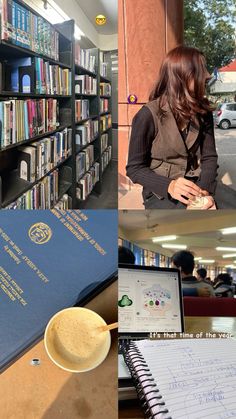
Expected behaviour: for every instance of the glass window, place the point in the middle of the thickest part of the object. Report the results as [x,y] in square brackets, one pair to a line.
[230,107]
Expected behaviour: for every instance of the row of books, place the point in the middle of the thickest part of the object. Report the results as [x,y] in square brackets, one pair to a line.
[28,30]
[52,79]
[104,105]
[81,109]
[44,195]
[103,65]
[105,89]
[84,58]
[106,158]
[87,183]
[37,159]
[105,122]
[84,160]
[86,133]
[86,85]
[35,75]
[24,119]
[104,142]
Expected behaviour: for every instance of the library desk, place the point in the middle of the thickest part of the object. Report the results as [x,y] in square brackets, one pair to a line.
[131,409]
[197,324]
[48,392]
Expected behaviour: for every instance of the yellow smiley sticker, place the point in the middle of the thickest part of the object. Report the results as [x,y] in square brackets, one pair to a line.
[100,20]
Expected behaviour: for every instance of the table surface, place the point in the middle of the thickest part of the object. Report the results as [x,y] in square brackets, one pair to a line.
[48,392]
[210,324]
[131,408]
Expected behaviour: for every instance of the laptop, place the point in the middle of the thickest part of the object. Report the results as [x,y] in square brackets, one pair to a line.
[149,301]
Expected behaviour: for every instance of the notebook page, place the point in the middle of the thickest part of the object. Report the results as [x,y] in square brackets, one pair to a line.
[196,378]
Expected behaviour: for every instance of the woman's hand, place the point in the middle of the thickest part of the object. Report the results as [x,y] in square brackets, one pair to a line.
[183,187]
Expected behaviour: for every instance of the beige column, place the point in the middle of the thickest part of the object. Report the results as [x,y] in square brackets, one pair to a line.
[147,30]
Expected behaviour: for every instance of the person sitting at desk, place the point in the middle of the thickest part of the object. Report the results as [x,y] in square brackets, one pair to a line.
[202,276]
[126,255]
[223,286]
[184,260]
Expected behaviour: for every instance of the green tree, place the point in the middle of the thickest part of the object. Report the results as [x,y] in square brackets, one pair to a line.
[210,26]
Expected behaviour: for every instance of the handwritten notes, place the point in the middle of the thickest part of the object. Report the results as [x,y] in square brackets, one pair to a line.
[195,377]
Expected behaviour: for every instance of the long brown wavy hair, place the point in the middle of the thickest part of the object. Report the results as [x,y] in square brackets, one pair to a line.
[182,66]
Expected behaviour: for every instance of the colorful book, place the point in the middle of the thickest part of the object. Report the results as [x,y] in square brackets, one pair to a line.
[24,119]
[27,30]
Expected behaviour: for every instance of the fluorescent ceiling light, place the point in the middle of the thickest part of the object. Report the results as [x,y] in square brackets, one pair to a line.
[230,230]
[229,255]
[163,238]
[174,246]
[198,258]
[207,261]
[230,266]
[227,249]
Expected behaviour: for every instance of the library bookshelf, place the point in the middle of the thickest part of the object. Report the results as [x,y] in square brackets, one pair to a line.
[53,117]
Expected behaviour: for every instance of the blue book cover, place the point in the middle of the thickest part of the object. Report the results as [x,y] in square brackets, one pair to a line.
[49,260]
[26,123]
[15,64]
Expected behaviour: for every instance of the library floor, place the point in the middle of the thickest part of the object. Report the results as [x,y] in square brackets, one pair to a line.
[108,197]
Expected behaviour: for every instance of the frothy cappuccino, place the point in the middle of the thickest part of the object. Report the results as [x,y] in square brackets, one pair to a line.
[74,341]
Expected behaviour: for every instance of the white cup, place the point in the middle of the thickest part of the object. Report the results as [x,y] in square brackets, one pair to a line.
[74,341]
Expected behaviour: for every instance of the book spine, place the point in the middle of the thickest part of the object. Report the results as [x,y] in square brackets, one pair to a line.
[27,29]
[22,26]
[9,20]
[18,21]
[14,23]
[36,34]
[4,34]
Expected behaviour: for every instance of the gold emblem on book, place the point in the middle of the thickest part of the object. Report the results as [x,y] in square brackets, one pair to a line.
[40,233]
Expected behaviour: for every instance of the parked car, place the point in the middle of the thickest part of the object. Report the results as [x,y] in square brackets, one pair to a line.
[226,115]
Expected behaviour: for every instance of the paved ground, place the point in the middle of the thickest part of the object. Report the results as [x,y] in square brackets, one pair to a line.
[226,148]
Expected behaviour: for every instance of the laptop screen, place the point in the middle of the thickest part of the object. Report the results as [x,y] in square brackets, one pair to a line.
[150,300]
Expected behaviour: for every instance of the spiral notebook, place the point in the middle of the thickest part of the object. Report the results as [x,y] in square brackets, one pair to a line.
[185,378]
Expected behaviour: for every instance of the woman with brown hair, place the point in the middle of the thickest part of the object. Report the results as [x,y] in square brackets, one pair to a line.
[172,150]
